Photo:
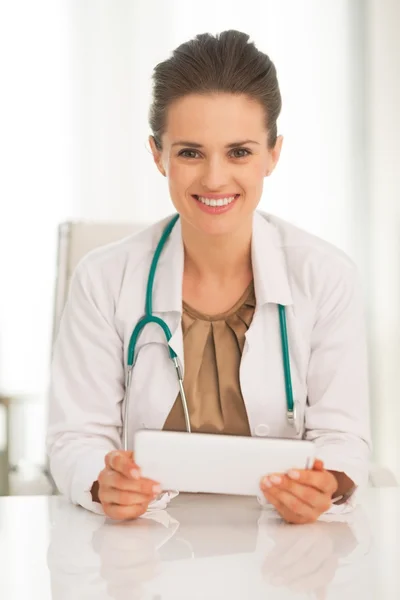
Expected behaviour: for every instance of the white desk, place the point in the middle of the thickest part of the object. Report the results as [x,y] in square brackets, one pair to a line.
[203,547]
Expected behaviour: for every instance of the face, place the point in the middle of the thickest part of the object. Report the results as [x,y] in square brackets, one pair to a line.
[215,155]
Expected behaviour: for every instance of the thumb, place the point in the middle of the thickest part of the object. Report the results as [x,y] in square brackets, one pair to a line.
[318,465]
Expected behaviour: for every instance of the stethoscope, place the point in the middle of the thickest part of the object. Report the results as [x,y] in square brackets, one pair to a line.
[150,318]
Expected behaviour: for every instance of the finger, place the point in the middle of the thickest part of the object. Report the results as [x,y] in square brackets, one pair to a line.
[307,494]
[122,513]
[284,511]
[292,504]
[282,559]
[112,455]
[113,496]
[318,465]
[122,462]
[317,579]
[113,479]
[320,480]
[308,568]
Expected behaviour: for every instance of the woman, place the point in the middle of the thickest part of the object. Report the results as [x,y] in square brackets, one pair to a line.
[222,273]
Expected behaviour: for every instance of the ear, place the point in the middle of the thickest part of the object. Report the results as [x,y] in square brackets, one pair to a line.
[274,155]
[157,155]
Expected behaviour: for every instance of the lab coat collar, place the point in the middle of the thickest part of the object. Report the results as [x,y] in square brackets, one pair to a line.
[271,282]
[269,268]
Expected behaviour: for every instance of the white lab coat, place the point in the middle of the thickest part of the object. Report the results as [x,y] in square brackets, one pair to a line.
[315,281]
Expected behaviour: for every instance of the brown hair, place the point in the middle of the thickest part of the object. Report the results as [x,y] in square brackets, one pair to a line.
[228,63]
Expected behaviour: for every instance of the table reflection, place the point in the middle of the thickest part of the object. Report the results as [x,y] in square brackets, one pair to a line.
[203,546]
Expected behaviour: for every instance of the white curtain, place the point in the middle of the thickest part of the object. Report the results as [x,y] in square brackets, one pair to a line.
[36,145]
[383,119]
[76,136]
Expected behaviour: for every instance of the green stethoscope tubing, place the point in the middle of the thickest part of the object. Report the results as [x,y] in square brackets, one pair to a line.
[150,318]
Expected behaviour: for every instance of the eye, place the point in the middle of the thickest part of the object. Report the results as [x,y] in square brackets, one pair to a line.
[238,153]
[245,150]
[186,153]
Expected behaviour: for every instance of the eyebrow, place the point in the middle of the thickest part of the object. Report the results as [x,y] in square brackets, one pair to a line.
[196,145]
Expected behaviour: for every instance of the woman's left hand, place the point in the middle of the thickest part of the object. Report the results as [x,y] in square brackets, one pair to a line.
[301,496]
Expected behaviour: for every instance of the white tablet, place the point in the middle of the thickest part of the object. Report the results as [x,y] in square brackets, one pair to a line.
[216,464]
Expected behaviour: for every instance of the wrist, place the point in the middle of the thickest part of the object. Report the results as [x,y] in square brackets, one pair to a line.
[94,491]
[345,487]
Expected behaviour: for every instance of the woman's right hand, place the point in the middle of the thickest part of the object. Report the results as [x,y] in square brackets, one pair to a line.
[123,492]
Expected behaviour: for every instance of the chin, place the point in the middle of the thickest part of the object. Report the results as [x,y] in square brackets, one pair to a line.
[217,225]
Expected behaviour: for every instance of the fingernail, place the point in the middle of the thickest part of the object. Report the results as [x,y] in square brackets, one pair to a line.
[266,482]
[294,474]
[135,474]
[275,479]
[156,489]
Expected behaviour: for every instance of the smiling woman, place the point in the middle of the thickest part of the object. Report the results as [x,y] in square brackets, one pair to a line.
[215,135]
[213,166]
[234,288]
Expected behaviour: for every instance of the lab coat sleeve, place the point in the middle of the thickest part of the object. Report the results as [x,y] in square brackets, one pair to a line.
[337,411]
[87,386]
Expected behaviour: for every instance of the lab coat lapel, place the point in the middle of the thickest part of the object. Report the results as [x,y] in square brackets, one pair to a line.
[271,282]
[261,371]
[269,267]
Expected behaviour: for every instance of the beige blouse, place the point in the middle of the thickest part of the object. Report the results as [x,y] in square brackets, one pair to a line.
[213,347]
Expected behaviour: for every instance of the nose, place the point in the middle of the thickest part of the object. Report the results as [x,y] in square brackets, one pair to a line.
[215,175]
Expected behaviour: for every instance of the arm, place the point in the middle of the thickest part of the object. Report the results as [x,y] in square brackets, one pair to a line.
[337,414]
[87,386]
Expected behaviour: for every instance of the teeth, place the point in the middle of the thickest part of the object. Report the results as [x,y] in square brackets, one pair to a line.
[220,202]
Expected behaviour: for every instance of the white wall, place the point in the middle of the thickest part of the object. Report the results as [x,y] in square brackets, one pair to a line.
[383,115]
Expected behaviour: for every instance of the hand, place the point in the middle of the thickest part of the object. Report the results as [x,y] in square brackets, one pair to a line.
[123,492]
[300,496]
[304,563]
[128,555]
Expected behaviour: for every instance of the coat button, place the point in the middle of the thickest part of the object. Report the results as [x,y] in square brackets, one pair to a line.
[262,430]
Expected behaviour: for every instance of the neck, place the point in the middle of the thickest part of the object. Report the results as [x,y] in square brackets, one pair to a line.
[223,257]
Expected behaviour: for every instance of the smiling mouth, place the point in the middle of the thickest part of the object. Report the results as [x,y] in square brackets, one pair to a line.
[216,202]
